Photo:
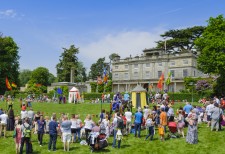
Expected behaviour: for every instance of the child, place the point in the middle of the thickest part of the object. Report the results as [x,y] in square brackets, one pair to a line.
[161,132]
[150,126]
[47,121]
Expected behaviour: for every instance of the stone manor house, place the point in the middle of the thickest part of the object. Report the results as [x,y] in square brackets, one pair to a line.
[147,69]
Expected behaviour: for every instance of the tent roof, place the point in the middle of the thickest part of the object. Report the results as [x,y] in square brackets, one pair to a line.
[138,88]
[74,89]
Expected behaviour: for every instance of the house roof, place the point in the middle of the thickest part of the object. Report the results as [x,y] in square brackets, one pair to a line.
[138,88]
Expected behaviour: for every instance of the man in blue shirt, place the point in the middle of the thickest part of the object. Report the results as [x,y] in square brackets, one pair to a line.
[137,122]
[53,127]
[187,108]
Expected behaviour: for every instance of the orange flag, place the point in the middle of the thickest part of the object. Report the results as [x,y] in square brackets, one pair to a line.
[8,84]
[160,82]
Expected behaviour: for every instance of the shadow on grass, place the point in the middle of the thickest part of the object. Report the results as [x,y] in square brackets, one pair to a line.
[101,151]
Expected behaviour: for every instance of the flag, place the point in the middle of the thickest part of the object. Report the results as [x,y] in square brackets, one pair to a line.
[160,82]
[14,85]
[99,80]
[8,84]
[59,91]
[105,76]
[38,84]
[169,78]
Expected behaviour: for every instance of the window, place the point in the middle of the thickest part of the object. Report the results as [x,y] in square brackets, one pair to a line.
[126,67]
[172,73]
[147,65]
[135,65]
[135,74]
[126,76]
[159,63]
[159,74]
[185,72]
[116,76]
[147,74]
[116,67]
[185,62]
[172,63]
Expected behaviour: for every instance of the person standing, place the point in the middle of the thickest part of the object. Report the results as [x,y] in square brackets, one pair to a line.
[66,133]
[150,125]
[137,122]
[208,112]
[26,135]
[163,119]
[30,115]
[216,114]
[53,129]
[128,116]
[3,125]
[41,129]
[18,136]
[11,123]
[88,124]
[187,108]
[192,133]
[10,102]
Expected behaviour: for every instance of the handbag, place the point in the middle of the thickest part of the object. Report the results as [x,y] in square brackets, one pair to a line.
[14,133]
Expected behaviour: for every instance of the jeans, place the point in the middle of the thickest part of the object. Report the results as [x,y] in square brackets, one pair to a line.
[114,137]
[27,140]
[137,127]
[150,133]
[77,133]
[87,131]
[52,141]
[40,137]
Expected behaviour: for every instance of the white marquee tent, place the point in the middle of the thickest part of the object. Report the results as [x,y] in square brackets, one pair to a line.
[74,95]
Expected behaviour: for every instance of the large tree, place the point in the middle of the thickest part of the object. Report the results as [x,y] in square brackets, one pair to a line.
[41,76]
[67,61]
[212,51]
[9,62]
[24,76]
[97,68]
[180,39]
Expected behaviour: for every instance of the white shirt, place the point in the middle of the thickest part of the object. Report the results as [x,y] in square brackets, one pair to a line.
[23,114]
[128,116]
[88,124]
[4,118]
[209,108]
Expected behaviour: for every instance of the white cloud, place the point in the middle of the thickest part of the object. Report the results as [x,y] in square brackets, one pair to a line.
[8,14]
[123,43]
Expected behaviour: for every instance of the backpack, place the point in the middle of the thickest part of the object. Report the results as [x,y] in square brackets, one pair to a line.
[120,123]
[26,131]
[149,122]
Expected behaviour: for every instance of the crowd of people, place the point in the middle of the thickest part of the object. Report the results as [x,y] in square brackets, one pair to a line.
[119,121]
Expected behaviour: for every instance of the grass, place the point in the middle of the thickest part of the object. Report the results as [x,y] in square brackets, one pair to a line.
[209,142]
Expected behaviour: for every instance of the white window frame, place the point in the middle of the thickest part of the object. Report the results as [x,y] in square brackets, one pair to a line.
[147,74]
[126,76]
[147,65]
[135,66]
[172,63]
[160,64]
[116,76]
[185,62]
[116,67]
[126,67]
[135,76]
[159,75]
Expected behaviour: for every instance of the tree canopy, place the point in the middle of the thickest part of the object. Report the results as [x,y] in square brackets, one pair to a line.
[212,51]
[180,39]
[68,60]
[9,62]
[97,68]
[24,76]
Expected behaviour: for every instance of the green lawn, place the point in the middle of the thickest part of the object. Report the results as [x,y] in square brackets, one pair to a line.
[209,142]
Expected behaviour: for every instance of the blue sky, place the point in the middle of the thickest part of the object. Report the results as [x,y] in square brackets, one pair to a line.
[41,28]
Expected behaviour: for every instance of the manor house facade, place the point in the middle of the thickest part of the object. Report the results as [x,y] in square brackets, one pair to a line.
[147,69]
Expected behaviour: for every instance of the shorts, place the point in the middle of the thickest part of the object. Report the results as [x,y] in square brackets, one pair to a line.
[209,118]
[66,137]
[73,130]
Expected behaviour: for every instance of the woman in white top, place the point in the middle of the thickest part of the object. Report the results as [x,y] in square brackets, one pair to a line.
[73,128]
[88,126]
[106,123]
[78,128]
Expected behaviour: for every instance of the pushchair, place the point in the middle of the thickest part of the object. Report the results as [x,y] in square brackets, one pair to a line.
[173,133]
[97,141]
